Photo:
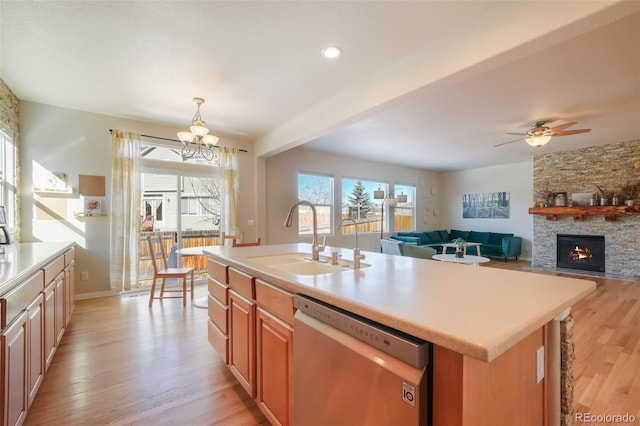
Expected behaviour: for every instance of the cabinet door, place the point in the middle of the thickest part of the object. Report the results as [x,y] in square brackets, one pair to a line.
[59,311]
[242,312]
[49,324]
[14,371]
[274,352]
[35,348]
[70,292]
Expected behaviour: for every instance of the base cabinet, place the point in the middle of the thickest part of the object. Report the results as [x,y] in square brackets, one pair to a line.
[35,355]
[274,350]
[34,316]
[251,327]
[14,371]
[242,340]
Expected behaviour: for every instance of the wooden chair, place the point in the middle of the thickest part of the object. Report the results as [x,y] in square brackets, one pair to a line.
[249,244]
[162,272]
[237,237]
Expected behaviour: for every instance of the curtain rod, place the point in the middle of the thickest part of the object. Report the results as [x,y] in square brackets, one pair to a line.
[174,140]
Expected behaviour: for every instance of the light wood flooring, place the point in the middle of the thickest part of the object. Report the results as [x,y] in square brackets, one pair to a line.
[122,364]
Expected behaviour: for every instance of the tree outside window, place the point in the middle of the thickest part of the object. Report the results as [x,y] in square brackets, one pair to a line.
[318,190]
[359,205]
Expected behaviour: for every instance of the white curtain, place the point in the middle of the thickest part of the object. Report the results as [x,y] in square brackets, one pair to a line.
[231,185]
[125,209]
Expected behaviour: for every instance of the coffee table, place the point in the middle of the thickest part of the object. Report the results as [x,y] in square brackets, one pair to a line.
[467,259]
[445,246]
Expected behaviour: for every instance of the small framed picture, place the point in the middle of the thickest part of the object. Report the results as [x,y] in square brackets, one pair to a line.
[581,199]
[93,205]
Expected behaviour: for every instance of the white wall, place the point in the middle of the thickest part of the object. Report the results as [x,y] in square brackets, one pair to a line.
[282,191]
[517,179]
[76,142]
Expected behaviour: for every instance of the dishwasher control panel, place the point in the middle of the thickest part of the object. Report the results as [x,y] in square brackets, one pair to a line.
[410,349]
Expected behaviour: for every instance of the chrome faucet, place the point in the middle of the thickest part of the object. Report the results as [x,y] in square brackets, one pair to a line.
[315,247]
[357,257]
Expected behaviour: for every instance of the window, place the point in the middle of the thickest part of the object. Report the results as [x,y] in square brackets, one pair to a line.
[152,205]
[360,205]
[8,177]
[404,212]
[318,190]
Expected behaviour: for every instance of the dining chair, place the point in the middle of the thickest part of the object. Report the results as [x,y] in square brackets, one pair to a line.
[232,237]
[249,244]
[162,272]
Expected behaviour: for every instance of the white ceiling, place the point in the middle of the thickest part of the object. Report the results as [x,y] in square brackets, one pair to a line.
[430,84]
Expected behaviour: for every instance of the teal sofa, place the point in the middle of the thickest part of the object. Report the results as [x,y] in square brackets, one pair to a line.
[494,244]
[410,250]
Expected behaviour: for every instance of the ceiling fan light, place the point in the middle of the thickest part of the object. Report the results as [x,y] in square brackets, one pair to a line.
[538,141]
[186,137]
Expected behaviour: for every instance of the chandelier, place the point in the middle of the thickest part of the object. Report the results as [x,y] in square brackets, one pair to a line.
[198,140]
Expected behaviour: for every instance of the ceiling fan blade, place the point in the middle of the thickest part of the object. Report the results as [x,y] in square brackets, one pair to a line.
[563,126]
[571,132]
[519,134]
[505,143]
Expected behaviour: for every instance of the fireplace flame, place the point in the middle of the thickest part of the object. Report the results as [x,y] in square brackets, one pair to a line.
[580,253]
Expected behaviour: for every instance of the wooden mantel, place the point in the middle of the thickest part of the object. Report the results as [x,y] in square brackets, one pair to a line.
[610,213]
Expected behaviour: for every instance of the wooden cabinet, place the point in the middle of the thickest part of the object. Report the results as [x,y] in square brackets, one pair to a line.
[59,324]
[49,324]
[33,316]
[218,302]
[242,313]
[14,370]
[69,285]
[251,327]
[35,347]
[274,353]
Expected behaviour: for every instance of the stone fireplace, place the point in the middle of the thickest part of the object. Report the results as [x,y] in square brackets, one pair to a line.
[582,252]
[610,167]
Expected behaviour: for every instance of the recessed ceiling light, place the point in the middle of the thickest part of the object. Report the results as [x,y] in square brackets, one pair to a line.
[331,52]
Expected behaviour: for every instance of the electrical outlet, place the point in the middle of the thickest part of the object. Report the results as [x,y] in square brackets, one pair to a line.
[84,276]
[540,364]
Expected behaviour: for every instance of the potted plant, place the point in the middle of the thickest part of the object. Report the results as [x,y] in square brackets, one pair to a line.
[604,196]
[460,246]
[629,192]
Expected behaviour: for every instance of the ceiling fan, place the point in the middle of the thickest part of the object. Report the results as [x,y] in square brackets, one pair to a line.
[541,134]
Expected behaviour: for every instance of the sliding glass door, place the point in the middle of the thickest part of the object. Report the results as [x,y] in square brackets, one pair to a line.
[182,202]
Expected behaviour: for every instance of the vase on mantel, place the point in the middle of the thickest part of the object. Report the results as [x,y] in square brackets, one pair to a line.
[604,201]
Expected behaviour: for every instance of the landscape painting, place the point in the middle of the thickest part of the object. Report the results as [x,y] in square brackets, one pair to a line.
[485,205]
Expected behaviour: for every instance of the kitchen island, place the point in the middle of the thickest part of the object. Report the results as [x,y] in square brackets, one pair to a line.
[487,325]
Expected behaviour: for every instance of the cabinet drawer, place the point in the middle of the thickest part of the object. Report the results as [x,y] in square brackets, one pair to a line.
[69,255]
[219,341]
[275,300]
[242,283]
[53,269]
[218,271]
[20,297]
[219,291]
[218,314]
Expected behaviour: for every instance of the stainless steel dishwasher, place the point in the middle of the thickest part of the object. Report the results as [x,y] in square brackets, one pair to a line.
[349,370]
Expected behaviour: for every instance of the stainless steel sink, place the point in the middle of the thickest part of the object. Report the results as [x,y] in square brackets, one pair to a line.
[301,264]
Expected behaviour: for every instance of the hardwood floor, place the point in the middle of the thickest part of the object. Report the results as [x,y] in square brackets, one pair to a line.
[120,363]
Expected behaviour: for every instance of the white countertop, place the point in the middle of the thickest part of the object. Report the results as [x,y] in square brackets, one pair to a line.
[20,260]
[477,311]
